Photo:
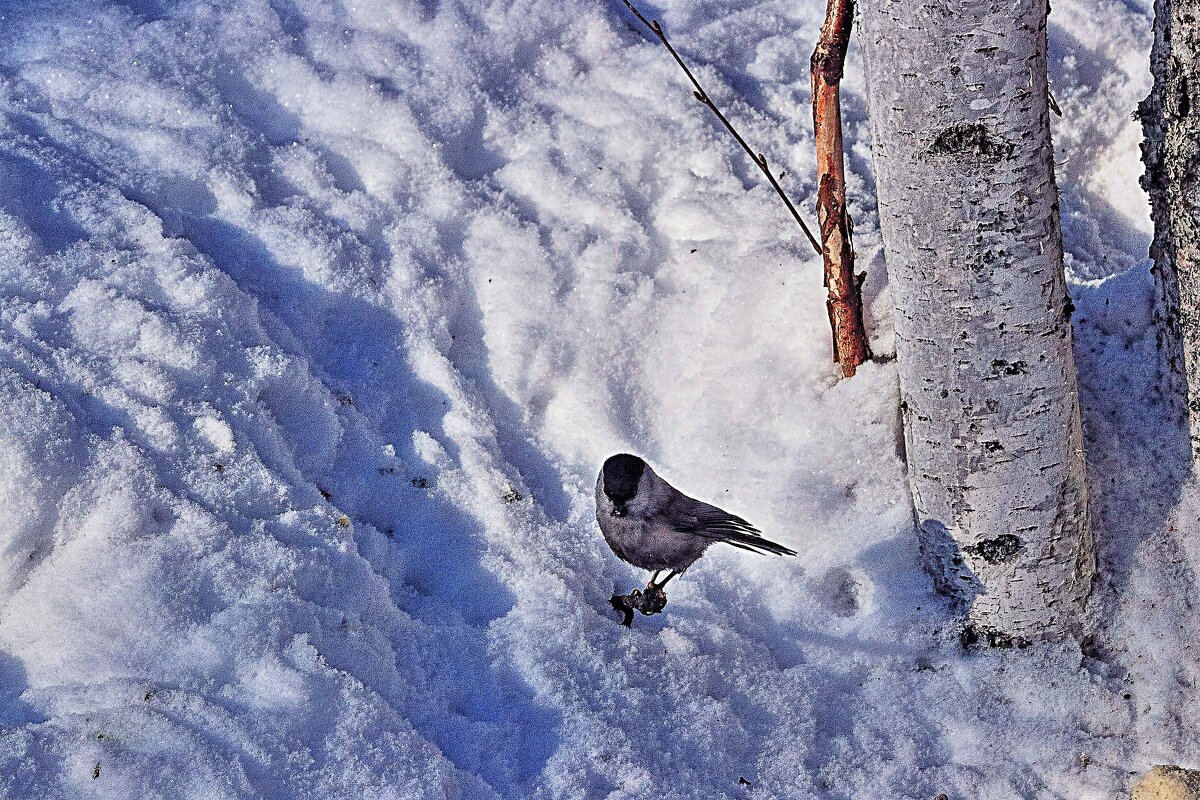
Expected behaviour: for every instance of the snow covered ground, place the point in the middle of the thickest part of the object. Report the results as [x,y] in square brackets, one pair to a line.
[317,321]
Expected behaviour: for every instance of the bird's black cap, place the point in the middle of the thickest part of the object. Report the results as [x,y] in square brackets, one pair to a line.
[621,475]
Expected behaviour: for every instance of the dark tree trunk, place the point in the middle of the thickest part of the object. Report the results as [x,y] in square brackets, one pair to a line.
[1171,152]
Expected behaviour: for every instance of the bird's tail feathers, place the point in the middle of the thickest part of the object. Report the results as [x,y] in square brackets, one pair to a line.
[755,543]
[725,527]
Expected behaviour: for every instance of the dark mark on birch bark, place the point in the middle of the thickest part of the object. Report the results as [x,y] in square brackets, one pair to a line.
[999,550]
[971,140]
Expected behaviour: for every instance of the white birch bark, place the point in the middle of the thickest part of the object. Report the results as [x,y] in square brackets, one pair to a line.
[1171,152]
[968,209]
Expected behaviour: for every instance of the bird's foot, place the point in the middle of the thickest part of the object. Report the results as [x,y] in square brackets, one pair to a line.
[653,600]
[626,603]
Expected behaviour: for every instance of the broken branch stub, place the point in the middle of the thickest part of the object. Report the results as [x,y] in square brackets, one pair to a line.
[844,303]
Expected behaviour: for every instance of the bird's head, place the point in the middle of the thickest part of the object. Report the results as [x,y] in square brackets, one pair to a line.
[621,475]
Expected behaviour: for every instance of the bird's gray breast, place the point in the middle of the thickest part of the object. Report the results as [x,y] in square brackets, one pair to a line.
[646,540]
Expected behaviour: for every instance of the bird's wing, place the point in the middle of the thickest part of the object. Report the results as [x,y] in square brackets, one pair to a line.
[701,519]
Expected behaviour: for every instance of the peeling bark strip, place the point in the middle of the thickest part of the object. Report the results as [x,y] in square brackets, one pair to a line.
[969,214]
[844,303]
[1171,151]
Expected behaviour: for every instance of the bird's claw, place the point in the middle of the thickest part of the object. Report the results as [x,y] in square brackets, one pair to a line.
[651,601]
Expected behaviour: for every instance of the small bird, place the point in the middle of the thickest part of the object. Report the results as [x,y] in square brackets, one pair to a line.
[652,525]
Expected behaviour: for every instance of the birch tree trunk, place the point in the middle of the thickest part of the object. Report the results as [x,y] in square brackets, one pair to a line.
[1171,120]
[968,209]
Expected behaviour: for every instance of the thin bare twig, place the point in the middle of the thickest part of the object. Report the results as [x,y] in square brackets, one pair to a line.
[702,96]
[844,301]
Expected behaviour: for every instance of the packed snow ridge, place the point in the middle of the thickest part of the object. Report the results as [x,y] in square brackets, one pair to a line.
[318,319]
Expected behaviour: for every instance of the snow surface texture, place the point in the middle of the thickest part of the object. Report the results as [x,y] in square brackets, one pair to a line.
[318,319]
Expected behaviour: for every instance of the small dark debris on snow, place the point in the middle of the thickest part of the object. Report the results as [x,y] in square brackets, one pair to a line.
[386,470]
[96,771]
[419,482]
[512,496]
[345,399]
[625,603]
[743,782]
[325,493]
[218,467]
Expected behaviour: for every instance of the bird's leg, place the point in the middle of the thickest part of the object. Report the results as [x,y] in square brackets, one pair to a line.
[654,599]
[654,584]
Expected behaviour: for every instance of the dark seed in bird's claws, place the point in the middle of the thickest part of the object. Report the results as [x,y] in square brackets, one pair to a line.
[626,603]
[653,600]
